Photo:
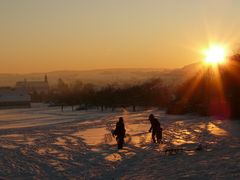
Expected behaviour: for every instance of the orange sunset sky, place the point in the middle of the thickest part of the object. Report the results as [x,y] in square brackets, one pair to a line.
[49,35]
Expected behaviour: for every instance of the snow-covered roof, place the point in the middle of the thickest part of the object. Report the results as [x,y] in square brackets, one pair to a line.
[14,95]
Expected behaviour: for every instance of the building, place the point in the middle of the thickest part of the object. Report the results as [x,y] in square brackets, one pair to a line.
[14,98]
[39,87]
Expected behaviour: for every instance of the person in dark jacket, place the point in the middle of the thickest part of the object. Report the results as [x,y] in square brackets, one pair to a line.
[119,132]
[155,129]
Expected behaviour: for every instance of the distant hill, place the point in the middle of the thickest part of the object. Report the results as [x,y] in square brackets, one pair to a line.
[105,76]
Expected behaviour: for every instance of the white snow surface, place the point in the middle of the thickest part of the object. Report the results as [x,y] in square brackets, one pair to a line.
[43,142]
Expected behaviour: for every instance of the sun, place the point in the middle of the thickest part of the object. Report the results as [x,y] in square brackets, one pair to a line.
[215,55]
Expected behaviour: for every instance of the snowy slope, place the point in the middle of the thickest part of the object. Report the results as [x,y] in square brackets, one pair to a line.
[46,143]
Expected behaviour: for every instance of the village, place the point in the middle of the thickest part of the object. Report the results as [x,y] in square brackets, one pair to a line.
[20,95]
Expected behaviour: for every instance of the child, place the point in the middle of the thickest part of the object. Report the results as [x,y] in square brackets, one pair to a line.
[155,129]
[119,132]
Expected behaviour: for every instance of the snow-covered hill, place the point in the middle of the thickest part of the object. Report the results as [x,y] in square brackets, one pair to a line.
[46,143]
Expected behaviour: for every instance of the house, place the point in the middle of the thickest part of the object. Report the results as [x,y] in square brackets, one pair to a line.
[14,98]
[39,87]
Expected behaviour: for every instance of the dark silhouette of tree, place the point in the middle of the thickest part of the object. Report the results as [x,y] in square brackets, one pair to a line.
[231,82]
[149,93]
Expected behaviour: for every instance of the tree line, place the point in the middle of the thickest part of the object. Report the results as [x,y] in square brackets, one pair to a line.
[212,91]
[86,95]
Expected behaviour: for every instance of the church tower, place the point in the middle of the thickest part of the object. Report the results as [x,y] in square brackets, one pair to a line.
[46,79]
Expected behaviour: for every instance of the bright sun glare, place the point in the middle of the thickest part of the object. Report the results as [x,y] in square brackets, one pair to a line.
[215,55]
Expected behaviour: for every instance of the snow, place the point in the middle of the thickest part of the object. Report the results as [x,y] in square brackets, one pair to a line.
[43,142]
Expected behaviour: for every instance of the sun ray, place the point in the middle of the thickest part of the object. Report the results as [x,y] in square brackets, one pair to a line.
[192,88]
[218,105]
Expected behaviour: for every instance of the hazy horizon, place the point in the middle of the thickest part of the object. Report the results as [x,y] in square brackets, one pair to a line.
[105,76]
[53,35]
[97,69]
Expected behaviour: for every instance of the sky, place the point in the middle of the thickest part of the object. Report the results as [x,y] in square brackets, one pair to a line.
[50,35]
